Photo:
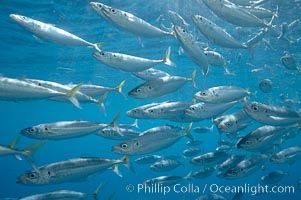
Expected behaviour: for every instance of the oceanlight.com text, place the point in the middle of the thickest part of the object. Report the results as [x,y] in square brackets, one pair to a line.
[210,188]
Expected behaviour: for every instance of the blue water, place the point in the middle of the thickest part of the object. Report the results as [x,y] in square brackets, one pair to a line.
[23,55]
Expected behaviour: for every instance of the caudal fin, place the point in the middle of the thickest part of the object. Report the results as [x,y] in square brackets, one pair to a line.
[70,95]
[187,132]
[126,162]
[101,104]
[193,78]
[97,46]
[119,88]
[166,58]
[95,193]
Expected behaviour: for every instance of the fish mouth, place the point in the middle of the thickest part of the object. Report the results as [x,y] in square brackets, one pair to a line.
[15,17]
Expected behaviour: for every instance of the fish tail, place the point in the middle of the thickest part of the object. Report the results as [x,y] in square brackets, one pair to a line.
[166,58]
[126,162]
[70,94]
[29,150]
[135,124]
[14,142]
[193,79]
[114,121]
[101,104]
[97,46]
[95,193]
[187,132]
[188,176]
[275,15]
[116,170]
[119,88]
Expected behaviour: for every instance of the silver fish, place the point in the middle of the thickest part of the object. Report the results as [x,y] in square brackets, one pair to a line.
[148,159]
[118,133]
[191,152]
[289,155]
[216,59]
[193,49]
[76,169]
[210,158]
[222,94]
[165,165]
[194,143]
[160,86]
[166,180]
[246,167]
[98,90]
[203,129]
[150,74]
[165,128]
[63,195]
[234,14]
[229,163]
[81,97]
[139,113]
[21,90]
[215,33]
[203,173]
[177,20]
[273,177]
[130,63]
[149,143]
[62,130]
[271,115]
[128,22]
[234,122]
[51,33]
[262,138]
[266,85]
[174,111]
[208,110]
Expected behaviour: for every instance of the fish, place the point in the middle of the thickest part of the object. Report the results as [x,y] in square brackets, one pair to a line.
[177,20]
[288,155]
[260,12]
[223,148]
[27,152]
[273,177]
[148,159]
[193,49]
[118,133]
[194,142]
[208,110]
[160,86]
[174,111]
[62,130]
[211,197]
[266,85]
[75,169]
[246,167]
[216,59]
[63,194]
[271,115]
[81,97]
[128,22]
[234,122]
[222,94]
[235,15]
[166,180]
[150,74]
[262,138]
[130,63]
[203,129]
[216,34]
[21,90]
[165,128]
[150,143]
[229,163]
[51,33]
[139,113]
[210,158]
[289,62]
[191,152]
[165,165]
[98,90]
[203,173]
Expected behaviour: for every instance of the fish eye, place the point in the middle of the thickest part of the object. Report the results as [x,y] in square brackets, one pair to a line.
[39,84]
[151,111]
[49,173]
[192,108]
[200,18]
[113,10]
[31,130]
[228,124]
[23,17]
[46,129]
[203,93]
[137,143]
[32,175]
[248,142]
[124,145]
[254,108]
[150,87]
[183,31]
[139,90]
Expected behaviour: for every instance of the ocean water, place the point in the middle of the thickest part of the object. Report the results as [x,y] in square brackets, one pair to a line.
[23,55]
